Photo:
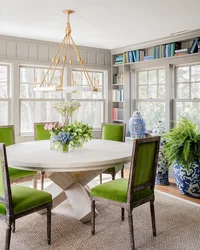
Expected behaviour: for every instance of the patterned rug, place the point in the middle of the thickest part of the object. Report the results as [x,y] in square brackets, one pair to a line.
[178,228]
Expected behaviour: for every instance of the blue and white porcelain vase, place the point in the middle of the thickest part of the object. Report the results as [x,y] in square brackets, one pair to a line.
[162,167]
[188,181]
[137,125]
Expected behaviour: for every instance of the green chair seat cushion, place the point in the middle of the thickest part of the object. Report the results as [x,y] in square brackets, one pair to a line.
[117,191]
[113,169]
[25,198]
[18,173]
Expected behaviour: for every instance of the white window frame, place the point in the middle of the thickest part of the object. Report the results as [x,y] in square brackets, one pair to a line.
[8,99]
[176,100]
[91,99]
[149,85]
[33,99]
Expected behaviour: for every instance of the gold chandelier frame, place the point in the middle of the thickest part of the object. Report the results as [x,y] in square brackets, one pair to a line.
[63,53]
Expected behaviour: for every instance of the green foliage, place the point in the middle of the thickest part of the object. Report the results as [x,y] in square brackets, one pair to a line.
[183,143]
[81,132]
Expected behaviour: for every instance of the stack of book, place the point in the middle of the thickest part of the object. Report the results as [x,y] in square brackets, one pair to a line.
[133,56]
[117,114]
[118,95]
[165,50]
[118,78]
[181,52]
[118,59]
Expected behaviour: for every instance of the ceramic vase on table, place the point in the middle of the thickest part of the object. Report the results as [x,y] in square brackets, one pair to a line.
[137,125]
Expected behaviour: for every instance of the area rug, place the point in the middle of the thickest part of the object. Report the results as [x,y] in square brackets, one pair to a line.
[178,228]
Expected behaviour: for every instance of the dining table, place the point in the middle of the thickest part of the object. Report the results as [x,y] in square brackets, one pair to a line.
[70,172]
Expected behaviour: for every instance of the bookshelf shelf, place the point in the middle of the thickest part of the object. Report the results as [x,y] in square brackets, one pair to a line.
[165,53]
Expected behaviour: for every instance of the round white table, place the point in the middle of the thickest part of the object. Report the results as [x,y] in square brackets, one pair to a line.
[70,172]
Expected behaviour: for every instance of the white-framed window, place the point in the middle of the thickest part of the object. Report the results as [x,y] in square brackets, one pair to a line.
[36,106]
[4,94]
[187,92]
[151,92]
[92,103]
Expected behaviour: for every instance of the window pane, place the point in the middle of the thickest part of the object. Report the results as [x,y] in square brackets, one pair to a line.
[161,75]
[90,112]
[183,91]
[161,91]
[77,77]
[183,74]
[3,73]
[39,75]
[26,90]
[195,90]
[152,112]
[99,78]
[195,73]
[4,113]
[153,77]
[56,77]
[143,78]
[3,90]
[153,91]
[191,110]
[26,75]
[142,92]
[84,79]
[39,111]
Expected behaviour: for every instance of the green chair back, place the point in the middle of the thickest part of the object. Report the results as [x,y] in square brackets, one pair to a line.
[40,133]
[7,135]
[5,190]
[114,132]
[143,164]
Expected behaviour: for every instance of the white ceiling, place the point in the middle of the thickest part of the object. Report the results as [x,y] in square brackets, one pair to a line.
[104,23]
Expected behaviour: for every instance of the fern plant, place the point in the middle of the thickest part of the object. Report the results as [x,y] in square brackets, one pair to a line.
[183,143]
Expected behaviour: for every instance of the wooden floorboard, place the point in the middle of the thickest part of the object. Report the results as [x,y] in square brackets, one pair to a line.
[171,189]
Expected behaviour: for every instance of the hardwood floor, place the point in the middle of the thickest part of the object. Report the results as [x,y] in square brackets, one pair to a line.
[171,189]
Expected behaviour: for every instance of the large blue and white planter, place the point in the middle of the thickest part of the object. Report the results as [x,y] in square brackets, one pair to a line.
[162,167]
[137,125]
[188,181]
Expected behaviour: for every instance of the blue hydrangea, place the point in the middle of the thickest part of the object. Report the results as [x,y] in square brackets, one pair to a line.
[64,137]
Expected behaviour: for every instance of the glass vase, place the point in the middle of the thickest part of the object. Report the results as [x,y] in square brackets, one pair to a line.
[58,146]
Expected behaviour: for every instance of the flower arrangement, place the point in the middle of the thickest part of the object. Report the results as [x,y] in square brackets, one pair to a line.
[63,135]
[66,109]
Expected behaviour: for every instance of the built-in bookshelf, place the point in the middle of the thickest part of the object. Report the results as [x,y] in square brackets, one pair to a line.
[158,53]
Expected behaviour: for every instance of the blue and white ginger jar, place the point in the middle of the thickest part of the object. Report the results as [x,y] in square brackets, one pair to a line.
[137,125]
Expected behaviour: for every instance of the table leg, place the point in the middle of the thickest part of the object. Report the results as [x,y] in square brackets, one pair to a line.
[71,186]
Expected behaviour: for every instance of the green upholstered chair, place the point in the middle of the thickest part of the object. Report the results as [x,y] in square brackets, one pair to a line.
[113,132]
[135,191]
[18,201]
[41,134]
[7,136]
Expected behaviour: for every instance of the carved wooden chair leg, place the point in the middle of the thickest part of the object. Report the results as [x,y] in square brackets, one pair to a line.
[131,230]
[13,226]
[35,181]
[122,214]
[153,220]
[42,179]
[100,176]
[93,217]
[8,236]
[122,172]
[49,225]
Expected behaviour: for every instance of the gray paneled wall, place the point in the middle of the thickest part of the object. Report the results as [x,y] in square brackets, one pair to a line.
[33,50]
